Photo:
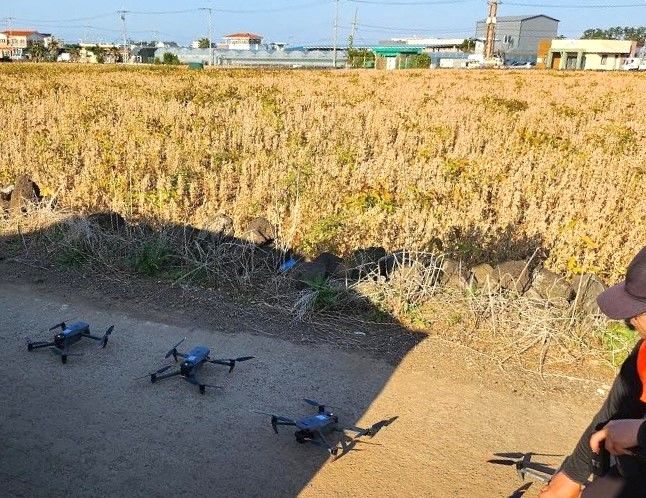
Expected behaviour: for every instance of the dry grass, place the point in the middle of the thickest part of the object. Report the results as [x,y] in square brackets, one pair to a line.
[488,162]
[487,165]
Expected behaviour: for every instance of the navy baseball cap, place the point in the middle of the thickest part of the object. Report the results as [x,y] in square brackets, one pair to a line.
[628,298]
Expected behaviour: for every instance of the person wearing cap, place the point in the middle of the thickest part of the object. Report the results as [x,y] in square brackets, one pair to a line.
[619,427]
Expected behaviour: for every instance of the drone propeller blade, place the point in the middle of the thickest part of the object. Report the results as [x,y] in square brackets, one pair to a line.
[58,325]
[104,341]
[245,358]
[520,456]
[499,461]
[173,350]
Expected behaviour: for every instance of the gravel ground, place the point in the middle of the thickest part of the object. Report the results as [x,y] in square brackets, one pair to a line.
[90,428]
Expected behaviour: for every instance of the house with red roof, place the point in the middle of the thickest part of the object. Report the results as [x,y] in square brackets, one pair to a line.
[241,41]
[14,42]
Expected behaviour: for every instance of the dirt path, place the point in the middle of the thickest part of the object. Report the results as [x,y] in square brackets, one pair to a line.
[89,428]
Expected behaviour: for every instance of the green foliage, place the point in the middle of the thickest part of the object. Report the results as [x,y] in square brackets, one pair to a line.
[203,43]
[37,51]
[72,256]
[468,45]
[151,258]
[324,234]
[509,105]
[618,341]
[99,53]
[420,61]
[370,199]
[360,57]
[170,59]
[637,33]
[326,297]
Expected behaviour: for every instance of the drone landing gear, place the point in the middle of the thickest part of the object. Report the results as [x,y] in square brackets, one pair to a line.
[64,358]
[202,389]
[302,436]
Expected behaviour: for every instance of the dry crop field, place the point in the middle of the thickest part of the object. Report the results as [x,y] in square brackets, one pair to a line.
[484,161]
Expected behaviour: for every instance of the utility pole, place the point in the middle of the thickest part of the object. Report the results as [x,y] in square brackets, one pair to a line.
[354,27]
[490,41]
[122,14]
[8,21]
[336,35]
[210,11]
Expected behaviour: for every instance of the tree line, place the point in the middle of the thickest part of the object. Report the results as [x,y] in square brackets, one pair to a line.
[637,33]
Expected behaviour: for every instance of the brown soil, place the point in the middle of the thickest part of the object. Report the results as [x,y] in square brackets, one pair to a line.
[89,429]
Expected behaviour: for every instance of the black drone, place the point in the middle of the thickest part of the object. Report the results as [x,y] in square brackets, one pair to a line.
[193,361]
[524,465]
[313,429]
[68,335]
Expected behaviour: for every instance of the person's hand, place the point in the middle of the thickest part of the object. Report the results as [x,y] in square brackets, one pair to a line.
[561,486]
[617,436]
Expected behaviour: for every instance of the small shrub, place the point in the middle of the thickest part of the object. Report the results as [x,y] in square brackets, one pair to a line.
[151,258]
[618,341]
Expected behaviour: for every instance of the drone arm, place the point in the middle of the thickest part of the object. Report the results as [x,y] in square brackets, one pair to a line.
[39,345]
[326,443]
[537,474]
[167,375]
[230,362]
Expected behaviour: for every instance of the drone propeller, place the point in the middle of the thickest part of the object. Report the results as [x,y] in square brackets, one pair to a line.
[173,351]
[231,362]
[318,405]
[520,456]
[58,325]
[104,341]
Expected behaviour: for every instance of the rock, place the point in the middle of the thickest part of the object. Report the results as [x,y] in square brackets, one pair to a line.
[25,193]
[365,261]
[454,275]
[260,231]
[485,276]
[108,222]
[307,272]
[220,225]
[216,229]
[407,278]
[587,288]
[330,261]
[515,276]
[5,197]
[552,287]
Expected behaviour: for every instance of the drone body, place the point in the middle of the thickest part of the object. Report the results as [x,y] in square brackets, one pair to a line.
[69,334]
[192,362]
[315,429]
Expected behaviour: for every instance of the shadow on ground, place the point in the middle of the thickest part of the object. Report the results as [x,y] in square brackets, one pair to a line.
[88,428]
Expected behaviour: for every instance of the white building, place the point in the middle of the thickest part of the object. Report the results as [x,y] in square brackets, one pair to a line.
[596,55]
[241,41]
[430,44]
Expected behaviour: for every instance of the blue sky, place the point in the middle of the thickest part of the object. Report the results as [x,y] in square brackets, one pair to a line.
[301,21]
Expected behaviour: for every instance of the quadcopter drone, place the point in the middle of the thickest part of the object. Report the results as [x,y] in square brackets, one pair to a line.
[68,335]
[193,361]
[313,429]
[525,466]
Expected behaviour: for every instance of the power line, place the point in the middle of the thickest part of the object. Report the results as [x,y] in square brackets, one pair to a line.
[579,6]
